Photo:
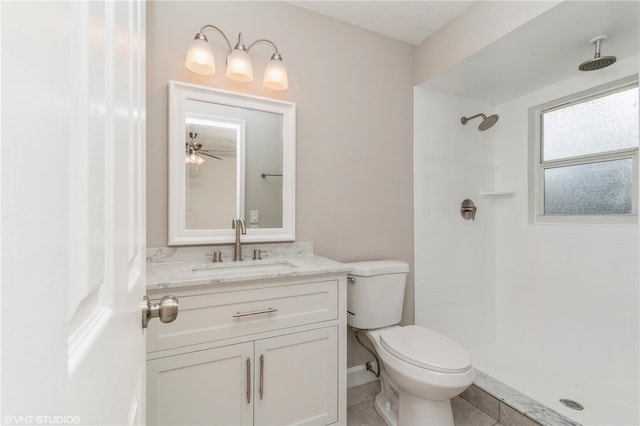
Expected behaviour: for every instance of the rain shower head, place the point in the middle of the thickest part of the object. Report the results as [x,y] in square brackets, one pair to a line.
[598,62]
[486,123]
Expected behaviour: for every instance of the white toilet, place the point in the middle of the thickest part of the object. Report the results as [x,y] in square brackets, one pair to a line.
[421,369]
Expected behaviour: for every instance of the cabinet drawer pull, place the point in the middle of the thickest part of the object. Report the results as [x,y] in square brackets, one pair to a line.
[261,388]
[259,312]
[248,381]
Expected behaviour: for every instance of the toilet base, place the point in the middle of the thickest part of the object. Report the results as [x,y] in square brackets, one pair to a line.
[399,408]
[384,409]
[414,411]
[386,402]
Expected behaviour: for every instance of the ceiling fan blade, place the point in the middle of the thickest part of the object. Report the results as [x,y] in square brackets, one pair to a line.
[209,155]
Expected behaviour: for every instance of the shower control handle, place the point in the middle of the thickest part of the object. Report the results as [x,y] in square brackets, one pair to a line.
[468,210]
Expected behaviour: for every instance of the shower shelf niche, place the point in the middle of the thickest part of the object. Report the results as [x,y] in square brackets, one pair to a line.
[494,194]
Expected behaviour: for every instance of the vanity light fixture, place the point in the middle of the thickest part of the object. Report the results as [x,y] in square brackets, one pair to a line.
[239,68]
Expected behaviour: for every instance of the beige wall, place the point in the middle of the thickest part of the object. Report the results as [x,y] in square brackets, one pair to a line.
[354,96]
[482,23]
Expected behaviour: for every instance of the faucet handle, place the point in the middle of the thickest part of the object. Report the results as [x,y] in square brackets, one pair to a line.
[216,256]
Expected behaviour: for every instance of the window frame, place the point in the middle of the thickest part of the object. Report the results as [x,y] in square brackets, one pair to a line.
[539,166]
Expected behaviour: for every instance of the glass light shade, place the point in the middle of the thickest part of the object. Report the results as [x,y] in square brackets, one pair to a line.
[194,158]
[239,66]
[200,58]
[275,76]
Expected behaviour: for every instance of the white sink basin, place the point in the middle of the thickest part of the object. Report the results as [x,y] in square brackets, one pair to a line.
[249,267]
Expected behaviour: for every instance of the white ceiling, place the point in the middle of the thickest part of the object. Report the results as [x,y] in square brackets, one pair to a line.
[409,21]
[546,50]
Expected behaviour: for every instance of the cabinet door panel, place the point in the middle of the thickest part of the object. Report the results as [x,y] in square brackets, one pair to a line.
[299,379]
[201,388]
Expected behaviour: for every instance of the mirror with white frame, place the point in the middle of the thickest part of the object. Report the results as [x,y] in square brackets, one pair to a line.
[230,156]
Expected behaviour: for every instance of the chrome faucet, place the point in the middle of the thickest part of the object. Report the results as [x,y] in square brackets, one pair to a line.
[238,225]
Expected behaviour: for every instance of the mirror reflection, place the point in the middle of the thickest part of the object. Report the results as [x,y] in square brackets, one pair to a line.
[236,160]
[214,157]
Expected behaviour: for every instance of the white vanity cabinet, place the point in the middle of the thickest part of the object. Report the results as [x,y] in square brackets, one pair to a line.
[200,388]
[262,352]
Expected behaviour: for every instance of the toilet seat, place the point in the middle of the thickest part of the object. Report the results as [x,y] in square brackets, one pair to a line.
[426,349]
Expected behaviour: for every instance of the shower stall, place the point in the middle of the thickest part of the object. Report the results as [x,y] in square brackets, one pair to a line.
[551,310]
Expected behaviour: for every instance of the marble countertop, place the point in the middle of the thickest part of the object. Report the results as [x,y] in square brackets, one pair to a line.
[173,268]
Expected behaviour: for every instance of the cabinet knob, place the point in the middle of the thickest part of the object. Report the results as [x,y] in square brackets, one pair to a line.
[166,310]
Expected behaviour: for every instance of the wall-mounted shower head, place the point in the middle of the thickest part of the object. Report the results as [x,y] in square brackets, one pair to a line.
[486,123]
[598,62]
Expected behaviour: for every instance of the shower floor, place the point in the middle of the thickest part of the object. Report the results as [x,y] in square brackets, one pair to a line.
[608,392]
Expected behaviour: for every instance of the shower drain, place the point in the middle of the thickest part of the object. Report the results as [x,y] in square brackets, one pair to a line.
[570,403]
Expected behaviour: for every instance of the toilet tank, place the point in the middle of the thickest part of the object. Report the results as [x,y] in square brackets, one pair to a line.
[375,293]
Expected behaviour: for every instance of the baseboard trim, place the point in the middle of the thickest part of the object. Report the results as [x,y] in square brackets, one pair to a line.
[358,375]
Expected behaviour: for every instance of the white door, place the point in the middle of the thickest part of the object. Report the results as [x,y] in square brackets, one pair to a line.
[73,216]
[210,387]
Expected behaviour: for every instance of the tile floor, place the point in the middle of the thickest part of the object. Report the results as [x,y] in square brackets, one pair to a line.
[360,410]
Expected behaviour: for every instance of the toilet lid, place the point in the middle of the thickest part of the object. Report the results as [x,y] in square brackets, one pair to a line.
[426,349]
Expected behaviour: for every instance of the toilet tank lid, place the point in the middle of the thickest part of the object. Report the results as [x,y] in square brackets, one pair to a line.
[378,267]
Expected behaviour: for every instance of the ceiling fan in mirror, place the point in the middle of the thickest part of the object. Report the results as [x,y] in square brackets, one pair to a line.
[194,151]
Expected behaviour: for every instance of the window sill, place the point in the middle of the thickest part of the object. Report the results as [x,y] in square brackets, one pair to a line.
[627,220]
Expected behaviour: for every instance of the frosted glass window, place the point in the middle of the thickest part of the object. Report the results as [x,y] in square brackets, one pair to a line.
[607,123]
[588,162]
[589,189]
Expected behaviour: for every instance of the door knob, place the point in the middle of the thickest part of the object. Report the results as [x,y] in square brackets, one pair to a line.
[166,310]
